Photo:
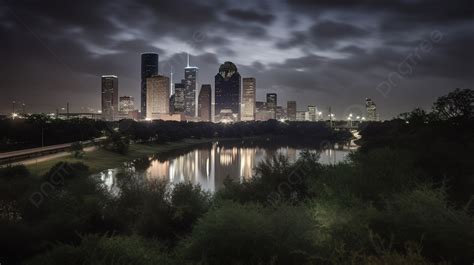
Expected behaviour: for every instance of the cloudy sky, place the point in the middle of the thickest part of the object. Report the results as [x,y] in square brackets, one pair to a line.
[401,53]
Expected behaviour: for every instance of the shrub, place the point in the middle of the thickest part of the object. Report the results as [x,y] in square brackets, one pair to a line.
[424,215]
[104,250]
[77,149]
[249,234]
[10,172]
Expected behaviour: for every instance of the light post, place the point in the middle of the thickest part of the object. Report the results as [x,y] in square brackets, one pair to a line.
[331,118]
[13,109]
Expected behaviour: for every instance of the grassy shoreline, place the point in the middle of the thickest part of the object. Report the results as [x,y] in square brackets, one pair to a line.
[101,159]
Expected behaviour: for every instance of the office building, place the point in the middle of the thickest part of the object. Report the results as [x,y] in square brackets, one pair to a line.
[311,113]
[280,113]
[262,113]
[178,105]
[272,103]
[371,110]
[158,95]
[109,97]
[204,106]
[291,110]
[227,93]
[300,115]
[149,68]
[126,104]
[127,108]
[248,99]
[190,83]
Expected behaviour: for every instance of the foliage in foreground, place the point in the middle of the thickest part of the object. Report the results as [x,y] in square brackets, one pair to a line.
[398,200]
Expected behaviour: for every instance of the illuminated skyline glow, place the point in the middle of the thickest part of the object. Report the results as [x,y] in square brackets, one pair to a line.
[322,53]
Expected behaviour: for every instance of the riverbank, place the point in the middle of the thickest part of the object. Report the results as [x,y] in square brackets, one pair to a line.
[100,159]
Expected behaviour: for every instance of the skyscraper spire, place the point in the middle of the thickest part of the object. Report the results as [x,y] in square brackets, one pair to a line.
[171,80]
[188,59]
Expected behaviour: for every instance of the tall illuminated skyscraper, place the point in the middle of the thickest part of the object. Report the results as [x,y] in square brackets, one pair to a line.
[371,109]
[109,97]
[178,98]
[311,113]
[158,96]
[227,93]
[149,69]
[272,103]
[291,110]
[204,106]
[190,82]
[248,99]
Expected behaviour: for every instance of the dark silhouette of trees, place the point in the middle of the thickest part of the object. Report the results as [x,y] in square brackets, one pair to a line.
[458,104]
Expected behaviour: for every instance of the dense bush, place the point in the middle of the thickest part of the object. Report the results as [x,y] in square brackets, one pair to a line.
[104,250]
[251,234]
[402,198]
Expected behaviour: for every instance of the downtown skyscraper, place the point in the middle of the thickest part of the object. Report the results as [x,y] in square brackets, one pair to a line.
[291,110]
[248,99]
[109,97]
[227,93]
[371,109]
[158,97]
[190,83]
[272,103]
[204,103]
[149,68]
[178,98]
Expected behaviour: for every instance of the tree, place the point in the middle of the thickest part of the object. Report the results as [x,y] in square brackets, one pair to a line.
[417,116]
[457,104]
[117,142]
[77,150]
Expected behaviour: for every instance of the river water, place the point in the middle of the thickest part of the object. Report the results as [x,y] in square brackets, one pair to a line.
[210,164]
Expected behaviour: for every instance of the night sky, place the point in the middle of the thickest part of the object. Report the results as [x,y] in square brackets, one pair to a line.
[402,54]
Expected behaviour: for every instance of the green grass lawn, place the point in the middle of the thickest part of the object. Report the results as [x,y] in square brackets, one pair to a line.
[100,159]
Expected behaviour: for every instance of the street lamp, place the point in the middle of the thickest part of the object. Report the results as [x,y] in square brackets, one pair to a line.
[13,109]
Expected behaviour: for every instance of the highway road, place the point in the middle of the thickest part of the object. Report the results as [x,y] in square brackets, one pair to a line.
[25,154]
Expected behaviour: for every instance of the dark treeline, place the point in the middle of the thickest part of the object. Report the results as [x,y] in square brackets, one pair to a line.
[385,205]
[30,132]
[36,130]
[440,142]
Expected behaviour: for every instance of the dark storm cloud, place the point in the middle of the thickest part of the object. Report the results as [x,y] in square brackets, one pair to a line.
[352,49]
[422,10]
[333,30]
[324,34]
[251,16]
[296,38]
[327,52]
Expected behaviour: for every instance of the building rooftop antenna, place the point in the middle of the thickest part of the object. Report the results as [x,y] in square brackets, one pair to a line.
[188,59]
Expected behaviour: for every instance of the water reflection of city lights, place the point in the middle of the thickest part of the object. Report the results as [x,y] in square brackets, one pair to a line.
[209,167]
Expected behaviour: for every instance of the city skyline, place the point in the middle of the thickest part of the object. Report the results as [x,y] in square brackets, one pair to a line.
[321,54]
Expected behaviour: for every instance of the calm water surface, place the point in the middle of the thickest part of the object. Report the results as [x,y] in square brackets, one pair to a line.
[210,164]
